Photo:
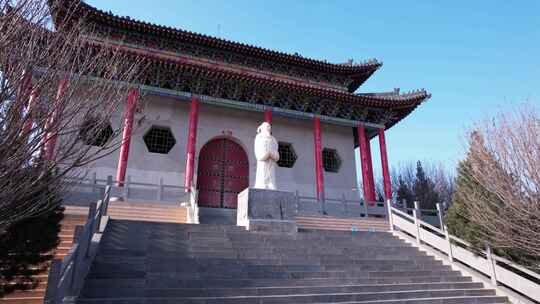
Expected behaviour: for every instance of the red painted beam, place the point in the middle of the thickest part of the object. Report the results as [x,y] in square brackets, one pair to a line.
[129,114]
[192,141]
[318,158]
[49,142]
[384,163]
[365,158]
[268,116]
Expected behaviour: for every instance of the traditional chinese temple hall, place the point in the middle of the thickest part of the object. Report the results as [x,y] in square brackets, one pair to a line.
[174,217]
[205,98]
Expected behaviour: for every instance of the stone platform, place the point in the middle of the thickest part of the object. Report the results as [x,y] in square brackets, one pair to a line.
[267,210]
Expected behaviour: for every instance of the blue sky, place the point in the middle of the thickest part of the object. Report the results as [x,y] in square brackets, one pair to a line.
[475,57]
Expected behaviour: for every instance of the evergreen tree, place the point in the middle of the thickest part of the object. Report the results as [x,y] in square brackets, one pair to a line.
[26,247]
[405,193]
[424,189]
[457,217]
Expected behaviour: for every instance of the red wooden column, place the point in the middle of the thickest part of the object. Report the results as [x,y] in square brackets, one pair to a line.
[371,178]
[365,158]
[27,127]
[49,142]
[192,141]
[129,114]
[318,158]
[384,164]
[268,116]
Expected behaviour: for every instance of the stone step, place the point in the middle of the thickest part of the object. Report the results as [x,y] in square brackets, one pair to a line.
[238,270]
[144,262]
[147,211]
[220,262]
[329,219]
[309,298]
[270,291]
[338,224]
[130,255]
[21,300]
[26,294]
[152,281]
[112,272]
[130,217]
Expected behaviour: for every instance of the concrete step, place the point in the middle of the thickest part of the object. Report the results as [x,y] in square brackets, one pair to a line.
[143,262]
[218,216]
[254,270]
[113,272]
[272,291]
[339,224]
[157,281]
[162,296]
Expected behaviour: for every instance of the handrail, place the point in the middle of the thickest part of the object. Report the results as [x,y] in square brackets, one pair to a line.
[73,268]
[483,261]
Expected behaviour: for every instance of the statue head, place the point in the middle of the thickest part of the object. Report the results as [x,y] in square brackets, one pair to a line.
[264,129]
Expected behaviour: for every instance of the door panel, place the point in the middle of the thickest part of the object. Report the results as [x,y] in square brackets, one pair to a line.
[223,172]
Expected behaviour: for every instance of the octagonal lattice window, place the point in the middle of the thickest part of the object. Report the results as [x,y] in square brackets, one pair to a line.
[159,140]
[331,160]
[287,156]
[95,133]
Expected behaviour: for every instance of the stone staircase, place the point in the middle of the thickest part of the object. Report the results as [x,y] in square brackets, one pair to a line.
[147,212]
[342,224]
[143,262]
[150,212]
[36,293]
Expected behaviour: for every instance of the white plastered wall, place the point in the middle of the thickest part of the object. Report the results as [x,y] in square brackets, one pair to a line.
[241,126]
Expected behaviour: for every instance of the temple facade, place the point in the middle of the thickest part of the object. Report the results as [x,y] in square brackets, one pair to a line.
[206,96]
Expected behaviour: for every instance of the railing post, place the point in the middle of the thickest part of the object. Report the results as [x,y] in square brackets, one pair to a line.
[323,204]
[416,210]
[344,201]
[390,216]
[297,201]
[160,190]
[440,215]
[94,182]
[52,281]
[92,219]
[449,241]
[365,208]
[106,199]
[126,188]
[77,234]
[492,264]
[97,218]
[109,180]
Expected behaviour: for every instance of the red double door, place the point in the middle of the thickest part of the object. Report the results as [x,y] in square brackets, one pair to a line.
[222,173]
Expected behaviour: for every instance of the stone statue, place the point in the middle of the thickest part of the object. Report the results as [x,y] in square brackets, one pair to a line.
[267,154]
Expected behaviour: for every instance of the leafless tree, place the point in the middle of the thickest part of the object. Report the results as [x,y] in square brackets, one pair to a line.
[58,90]
[504,160]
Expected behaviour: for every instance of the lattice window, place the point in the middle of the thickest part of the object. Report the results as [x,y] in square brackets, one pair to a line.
[331,160]
[95,133]
[287,156]
[159,140]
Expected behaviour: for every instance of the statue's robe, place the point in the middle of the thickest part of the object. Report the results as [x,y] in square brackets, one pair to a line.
[267,154]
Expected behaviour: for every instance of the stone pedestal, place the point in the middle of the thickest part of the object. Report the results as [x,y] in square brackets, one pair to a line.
[266,210]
